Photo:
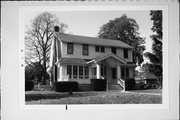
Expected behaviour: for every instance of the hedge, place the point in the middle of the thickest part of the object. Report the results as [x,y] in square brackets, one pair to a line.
[129,84]
[29,85]
[65,86]
[98,84]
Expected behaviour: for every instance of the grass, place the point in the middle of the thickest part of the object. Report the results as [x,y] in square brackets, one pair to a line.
[92,97]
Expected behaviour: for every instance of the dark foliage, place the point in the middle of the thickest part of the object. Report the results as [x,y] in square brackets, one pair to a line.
[29,85]
[65,86]
[156,16]
[130,84]
[35,71]
[126,30]
[98,84]
[156,56]
[151,84]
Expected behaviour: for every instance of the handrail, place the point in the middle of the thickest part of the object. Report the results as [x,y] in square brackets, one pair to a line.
[121,82]
[102,77]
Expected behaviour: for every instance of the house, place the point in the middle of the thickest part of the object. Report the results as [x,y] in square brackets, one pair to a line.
[80,58]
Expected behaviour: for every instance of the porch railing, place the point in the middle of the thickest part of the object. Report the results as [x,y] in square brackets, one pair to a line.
[121,82]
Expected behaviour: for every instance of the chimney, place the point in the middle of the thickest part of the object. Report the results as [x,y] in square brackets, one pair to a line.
[56,28]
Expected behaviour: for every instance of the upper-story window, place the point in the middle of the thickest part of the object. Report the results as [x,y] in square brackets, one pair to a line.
[85,49]
[70,48]
[113,50]
[99,49]
[125,53]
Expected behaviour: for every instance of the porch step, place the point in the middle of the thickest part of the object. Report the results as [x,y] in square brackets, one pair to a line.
[115,87]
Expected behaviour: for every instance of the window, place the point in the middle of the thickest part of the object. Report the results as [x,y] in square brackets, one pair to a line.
[113,50]
[86,70]
[127,72]
[80,72]
[102,72]
[99,49]
[85,49]
[102,49]
[75,71]
[122,72]
[125,53]
[69,48]
[69,70]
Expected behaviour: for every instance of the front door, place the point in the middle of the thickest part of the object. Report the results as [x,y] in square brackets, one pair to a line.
[113,75]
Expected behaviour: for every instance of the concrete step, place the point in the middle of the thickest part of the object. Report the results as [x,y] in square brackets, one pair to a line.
[115,87]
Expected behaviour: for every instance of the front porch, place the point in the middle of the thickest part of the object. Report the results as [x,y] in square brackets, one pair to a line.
[109,67]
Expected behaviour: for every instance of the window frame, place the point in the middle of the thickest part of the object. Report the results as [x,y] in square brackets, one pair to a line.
[127,72]
[126,53]
[69,47]
[97,48]
[84,48]
[114,50]
[102,49]
[75,75]
[86,76]
[79,75]
[70,74]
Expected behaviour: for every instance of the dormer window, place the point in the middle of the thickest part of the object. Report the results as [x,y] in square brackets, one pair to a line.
[70,48]
[85,49]
[125,53]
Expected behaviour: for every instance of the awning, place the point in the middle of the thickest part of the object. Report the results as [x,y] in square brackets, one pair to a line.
[73,61]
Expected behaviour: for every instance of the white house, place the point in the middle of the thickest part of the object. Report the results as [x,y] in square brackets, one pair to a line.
[80,58]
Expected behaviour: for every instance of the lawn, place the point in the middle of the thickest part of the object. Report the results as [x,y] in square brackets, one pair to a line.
[94,97]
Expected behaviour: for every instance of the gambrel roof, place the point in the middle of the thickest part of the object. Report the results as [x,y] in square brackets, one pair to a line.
[91,40]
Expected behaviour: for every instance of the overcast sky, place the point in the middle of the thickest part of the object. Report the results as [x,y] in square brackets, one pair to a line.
[88,23]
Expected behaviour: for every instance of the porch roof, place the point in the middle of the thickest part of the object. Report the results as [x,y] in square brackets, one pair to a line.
[66,60]
[98,59]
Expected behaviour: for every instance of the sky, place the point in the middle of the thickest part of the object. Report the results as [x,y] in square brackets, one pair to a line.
[88,23]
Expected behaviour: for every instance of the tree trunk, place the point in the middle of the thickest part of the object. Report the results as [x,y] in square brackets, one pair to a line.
[44,68]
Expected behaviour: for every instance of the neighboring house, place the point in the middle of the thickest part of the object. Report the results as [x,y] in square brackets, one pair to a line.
[80,58]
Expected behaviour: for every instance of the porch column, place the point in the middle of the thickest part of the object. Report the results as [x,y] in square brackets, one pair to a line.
[90,73]
[60,73]
[98,71]
[118,71]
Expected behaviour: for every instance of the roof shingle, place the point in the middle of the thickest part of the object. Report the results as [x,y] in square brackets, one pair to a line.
[91,41]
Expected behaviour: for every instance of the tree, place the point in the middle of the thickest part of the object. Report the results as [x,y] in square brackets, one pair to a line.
[156,56]
[34,70]
[156,16]
[38,39]
[126,30]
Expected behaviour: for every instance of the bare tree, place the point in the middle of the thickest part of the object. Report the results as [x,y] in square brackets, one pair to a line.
[38,39]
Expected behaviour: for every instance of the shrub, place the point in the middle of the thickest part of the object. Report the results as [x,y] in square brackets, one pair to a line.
[98,84]
[29,85]
[130,84]
[65,86]
[151,84]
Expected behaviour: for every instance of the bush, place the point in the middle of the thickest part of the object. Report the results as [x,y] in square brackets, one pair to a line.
[29,85]
[130,84]
[65,86]
[151,84]
[98,84]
